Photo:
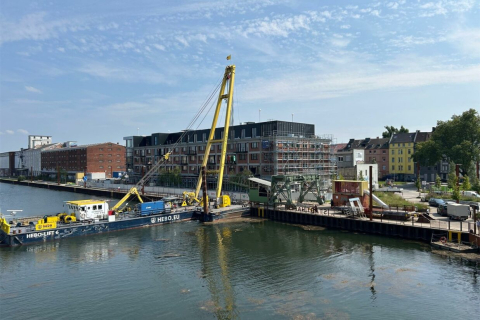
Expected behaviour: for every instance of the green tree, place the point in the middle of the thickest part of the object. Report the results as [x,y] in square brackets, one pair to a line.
[466,184]
[456,193]
[457,139]
[340,177]
[360,176]
[452,177]
[391,130]
[438,181]
[418,184]
[476,186]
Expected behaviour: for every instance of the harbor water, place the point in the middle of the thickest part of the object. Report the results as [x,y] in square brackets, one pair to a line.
[237,270]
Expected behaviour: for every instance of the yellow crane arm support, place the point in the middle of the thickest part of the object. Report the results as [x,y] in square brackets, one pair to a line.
[130,192]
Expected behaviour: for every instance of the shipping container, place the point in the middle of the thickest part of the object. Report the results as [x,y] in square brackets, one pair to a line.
[149,208]
[95,175]
[118,174]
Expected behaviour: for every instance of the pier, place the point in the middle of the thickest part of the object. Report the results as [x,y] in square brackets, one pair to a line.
[99,192]
[330,218]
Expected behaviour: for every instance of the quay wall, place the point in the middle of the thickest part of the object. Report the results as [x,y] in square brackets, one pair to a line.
[404,231]
[114,194]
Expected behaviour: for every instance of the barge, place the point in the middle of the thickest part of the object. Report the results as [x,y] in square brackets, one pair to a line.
[89,217]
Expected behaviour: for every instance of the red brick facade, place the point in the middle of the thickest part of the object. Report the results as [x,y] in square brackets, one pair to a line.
[105,157]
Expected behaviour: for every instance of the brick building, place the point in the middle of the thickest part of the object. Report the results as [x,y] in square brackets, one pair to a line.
[265,149]
[365,151]
[102,157]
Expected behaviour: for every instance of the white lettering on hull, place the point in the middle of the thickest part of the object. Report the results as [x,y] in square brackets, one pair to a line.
[165,219]
[42,234]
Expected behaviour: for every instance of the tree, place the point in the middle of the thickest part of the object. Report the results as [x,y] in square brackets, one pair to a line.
[391,130]
[466,184]
[438,181]
[476,186]
[418,184]
[456,193]
[457,139]
[452,177]
[360,176]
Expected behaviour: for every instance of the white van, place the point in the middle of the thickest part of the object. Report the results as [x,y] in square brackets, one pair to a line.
[456,211]
[471,194]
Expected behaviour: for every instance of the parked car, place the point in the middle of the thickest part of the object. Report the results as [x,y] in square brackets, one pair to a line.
[442,209]
[436,202]
[470,194]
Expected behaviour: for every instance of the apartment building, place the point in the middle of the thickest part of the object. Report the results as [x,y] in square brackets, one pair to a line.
[264,149]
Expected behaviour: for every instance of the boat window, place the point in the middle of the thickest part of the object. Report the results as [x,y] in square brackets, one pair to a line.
[82,208]
[99,207]
[94,207]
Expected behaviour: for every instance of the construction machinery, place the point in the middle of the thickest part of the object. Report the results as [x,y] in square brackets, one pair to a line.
[192,198]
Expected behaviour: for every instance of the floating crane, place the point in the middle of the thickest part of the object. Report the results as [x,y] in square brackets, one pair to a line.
[192,198]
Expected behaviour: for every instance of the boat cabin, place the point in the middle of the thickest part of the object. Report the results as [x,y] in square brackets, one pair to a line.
[88,209]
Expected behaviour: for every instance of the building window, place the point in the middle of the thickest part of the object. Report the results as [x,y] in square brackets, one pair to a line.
[393,160]
[254,156]
[242,156]
[409,167]
[384,167]
[254,145]
[393,167]
[393,151]
[340,159]
[254,132]
[409,151]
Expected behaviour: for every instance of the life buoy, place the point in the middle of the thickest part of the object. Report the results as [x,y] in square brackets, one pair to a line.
[83,216]
[443,239]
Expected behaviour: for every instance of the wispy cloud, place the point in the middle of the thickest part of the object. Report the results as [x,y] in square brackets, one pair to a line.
[291,86]
[22,131]
[9,131]
[125,74]
[32,89]
[35,26]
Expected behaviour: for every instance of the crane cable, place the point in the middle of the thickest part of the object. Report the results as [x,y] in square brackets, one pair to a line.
[151,172]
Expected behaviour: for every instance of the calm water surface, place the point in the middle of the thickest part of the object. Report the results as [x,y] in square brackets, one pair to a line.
[241,270]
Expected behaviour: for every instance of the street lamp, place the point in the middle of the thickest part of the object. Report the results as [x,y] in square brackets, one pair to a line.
[292,117]
[259,111]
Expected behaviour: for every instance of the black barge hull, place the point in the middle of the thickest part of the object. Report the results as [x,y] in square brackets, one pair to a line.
[84,229]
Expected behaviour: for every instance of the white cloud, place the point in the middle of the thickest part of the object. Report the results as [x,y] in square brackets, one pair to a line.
[409,41]
[345,26]
[34,27]
[375,13]
[468,40]
[120,73]
[22,131]
[277,27]
[392,5]
[159,46]
[316,86]
[9,131]
[32,89]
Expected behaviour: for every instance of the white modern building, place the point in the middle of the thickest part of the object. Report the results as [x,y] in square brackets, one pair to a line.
[35,140]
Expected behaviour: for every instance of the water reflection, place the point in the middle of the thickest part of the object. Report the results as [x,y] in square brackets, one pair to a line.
[214,244]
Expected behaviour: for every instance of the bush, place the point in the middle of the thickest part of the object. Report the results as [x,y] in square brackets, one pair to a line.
[21,178]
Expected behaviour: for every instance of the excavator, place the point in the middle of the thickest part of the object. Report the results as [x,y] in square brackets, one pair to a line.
[192,198]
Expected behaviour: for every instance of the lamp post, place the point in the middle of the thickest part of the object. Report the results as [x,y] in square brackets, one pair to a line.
[259,111]
[292,117]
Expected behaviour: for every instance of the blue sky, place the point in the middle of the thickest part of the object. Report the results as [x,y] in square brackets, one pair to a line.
[95,71]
